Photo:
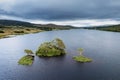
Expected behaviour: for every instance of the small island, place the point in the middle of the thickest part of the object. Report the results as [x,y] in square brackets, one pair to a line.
[51,49]
[48,49]
[28,59]
[82,58]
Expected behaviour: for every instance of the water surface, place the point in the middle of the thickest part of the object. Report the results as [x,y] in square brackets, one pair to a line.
[103,47]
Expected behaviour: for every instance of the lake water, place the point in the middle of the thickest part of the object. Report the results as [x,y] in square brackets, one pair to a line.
[102,46]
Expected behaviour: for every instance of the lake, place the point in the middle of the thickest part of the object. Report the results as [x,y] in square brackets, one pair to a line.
[102,46]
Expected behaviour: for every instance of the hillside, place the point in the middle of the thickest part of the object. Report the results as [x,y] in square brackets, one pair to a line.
[15,23]
[46,27]
[12,27]
[50,27]
[113,28]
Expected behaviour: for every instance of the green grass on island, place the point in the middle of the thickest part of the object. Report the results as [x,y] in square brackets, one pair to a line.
[82,59]
[26,60]
[51,49]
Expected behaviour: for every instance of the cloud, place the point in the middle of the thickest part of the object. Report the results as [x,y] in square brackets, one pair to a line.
[62,9]
[74,12]
[81,23]
[76,23]
[6,5]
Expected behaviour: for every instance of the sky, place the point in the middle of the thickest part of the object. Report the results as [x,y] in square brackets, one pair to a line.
[63,12]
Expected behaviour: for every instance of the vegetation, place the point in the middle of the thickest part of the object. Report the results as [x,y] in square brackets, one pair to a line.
[28,52]
[81,51]
[47,49]
[81,58]
[26,60]
[28,29]
[50,27]
[12,30]
[2,36]
[50,49]
[19,31]
[58,43]
[12,27]
[1,31]
[113,28]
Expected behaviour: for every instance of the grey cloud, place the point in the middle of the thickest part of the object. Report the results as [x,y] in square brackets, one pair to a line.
[64,9]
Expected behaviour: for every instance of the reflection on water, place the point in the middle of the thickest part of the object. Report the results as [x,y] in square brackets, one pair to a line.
[102,46]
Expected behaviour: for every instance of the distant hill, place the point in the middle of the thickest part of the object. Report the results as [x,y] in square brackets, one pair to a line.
[15,23]
[12,23]
[27,24]
[12,27]
[53,26]
[113,28]
[49,27]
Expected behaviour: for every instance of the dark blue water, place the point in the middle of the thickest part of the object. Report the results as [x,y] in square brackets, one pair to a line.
[103,47]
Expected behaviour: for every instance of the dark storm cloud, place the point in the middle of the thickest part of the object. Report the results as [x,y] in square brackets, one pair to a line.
[61,9]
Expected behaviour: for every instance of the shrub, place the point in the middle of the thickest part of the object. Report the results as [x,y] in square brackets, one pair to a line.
[19,31]
[28,29]
[2,31]
[28,52]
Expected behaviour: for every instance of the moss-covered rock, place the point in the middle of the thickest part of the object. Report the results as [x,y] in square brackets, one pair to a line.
[82,59]
[53,48]
[26,60]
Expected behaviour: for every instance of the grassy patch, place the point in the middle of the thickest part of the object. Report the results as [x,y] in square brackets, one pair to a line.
[12,30]
[26,60]
[82,59]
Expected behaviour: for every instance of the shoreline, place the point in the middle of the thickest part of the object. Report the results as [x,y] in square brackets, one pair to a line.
[14,35]
[2,36]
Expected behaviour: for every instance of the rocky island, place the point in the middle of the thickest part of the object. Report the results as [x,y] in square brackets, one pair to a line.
[50,49]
